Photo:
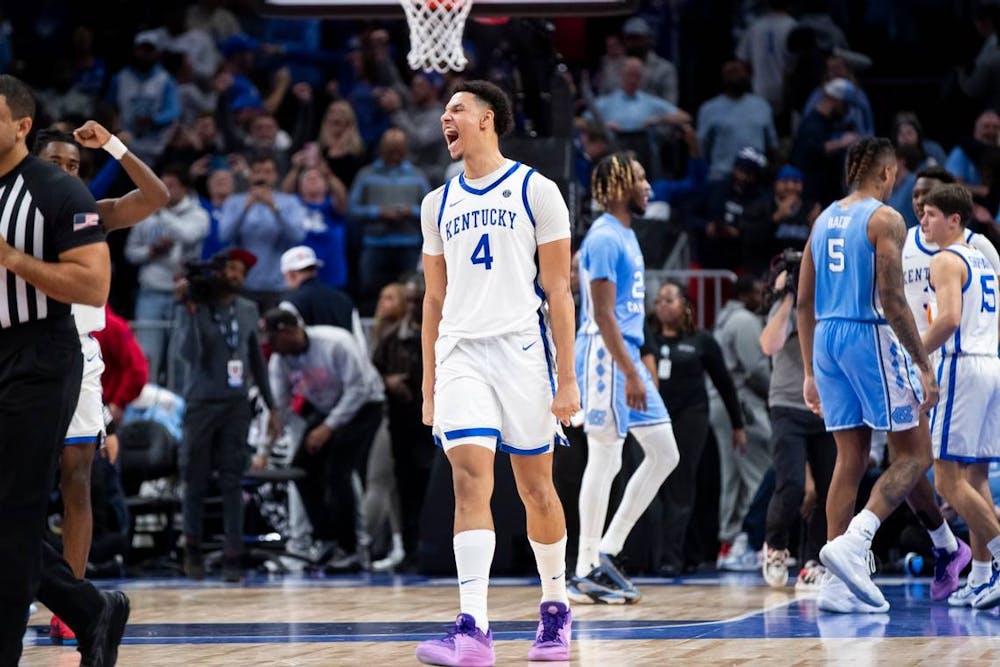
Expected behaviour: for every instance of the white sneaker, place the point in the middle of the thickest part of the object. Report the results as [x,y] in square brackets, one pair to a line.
[987,595]
[836,597]
[775,567]
[741,558]
[810,577]
[852,562]
[963,597]
[393,558]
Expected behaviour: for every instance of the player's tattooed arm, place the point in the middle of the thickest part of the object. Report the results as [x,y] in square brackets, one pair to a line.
[890,235]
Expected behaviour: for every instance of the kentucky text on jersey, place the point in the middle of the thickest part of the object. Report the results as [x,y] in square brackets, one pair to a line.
[918,275]
[486,217]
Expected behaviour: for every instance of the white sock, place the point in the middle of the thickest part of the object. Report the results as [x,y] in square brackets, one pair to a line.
[604,460]
[586,557]
[943,538]
[660,458]
[981,572]
[473,558]
[551,562]
[994,547]
[864,525]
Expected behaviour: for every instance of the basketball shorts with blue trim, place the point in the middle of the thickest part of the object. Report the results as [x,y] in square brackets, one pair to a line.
[864,377]
[496,392]
[602,389]
[87,425]
[965,424]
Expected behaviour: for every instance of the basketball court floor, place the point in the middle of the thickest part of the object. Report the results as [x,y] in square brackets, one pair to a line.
[361,620]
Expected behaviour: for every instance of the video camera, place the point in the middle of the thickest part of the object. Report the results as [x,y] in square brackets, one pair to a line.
[206,282]
[788,260]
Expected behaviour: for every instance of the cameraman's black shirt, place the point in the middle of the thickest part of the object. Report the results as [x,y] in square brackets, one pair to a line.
[691,357]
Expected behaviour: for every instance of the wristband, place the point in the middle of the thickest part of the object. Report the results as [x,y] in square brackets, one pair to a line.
[115,147]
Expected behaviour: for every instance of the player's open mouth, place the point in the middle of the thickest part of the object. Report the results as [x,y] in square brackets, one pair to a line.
[451,136]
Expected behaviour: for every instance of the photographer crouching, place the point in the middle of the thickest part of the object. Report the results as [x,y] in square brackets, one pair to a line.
[798,437]
[218,344]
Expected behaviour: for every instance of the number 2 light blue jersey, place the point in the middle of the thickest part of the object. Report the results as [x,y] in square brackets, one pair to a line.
[610,251]
[845,263]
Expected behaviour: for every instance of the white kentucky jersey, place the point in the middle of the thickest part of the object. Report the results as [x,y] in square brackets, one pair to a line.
[489,230]
[88,318]
[977,332]
[917,253]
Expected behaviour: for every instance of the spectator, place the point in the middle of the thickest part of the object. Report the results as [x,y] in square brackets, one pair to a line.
[726,208]
[908,163]
[194,100]
[266,223]
[372,74]
[421,122]
[398,358]
[762,47]
[214,18]
[592,144]
[146,99]
[630,109]
[341,143]
[962,161]
[220,186]
[792,216]
[160,245]
[733,120]
[858,115]
[659,76]
[819,150]
[194,42]
[907,131]
[199,144]
[385,200]
[325,199]
[313,301]
[741,466]
[89,71]
[609,77]
[218,345]
[980,80]
[343,409]
[681,356]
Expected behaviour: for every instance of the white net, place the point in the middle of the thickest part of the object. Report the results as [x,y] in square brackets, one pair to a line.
[436,28]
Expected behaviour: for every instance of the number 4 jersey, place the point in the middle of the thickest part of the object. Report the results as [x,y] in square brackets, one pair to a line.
[845,263]
[489,230]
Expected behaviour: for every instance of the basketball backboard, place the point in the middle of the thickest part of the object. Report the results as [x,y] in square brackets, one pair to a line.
[392,8]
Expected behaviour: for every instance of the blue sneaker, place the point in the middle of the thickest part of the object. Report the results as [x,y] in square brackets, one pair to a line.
[593,589]
[987,595]
[611,568]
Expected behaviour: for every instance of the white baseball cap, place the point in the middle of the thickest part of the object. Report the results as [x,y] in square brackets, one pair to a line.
[298,258]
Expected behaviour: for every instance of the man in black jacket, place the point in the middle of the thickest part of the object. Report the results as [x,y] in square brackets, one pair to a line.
[315,302]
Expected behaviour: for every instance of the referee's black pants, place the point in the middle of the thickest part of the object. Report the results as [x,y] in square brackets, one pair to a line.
[41,366]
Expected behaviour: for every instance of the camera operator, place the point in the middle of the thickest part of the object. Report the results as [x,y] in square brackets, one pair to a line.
[798,436]
[218,344]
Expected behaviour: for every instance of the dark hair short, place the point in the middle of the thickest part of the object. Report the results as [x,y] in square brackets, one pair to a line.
[18,96]
[52,136]
[496,99]
[951,199]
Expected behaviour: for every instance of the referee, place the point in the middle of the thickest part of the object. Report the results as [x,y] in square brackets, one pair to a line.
[52,254]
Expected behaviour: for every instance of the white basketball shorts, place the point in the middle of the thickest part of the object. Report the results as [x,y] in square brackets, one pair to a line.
[965,424]
[496,393]
[87,425]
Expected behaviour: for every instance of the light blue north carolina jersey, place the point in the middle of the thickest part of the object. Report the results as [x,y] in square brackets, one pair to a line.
[845,263]
[611,251]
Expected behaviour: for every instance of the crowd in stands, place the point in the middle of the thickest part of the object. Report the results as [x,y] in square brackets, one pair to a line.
[308,144]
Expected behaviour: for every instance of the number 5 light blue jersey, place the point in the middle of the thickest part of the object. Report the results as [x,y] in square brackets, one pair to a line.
[610,251]
[845,263]
[489,230]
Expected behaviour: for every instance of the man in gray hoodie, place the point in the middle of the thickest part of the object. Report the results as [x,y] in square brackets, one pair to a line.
[742,466]
[343,409]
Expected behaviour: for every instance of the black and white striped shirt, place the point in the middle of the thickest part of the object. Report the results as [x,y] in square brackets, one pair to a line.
[43,212]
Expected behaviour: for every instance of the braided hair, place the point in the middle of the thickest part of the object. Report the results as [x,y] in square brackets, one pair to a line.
[614,179]
[864,156]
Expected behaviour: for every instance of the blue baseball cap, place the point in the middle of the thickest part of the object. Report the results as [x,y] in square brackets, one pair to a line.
[789,173]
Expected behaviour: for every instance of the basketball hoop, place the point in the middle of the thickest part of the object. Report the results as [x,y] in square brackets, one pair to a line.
[436,28]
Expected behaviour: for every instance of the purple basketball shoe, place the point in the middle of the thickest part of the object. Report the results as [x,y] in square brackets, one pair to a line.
[465,645]
[554,629]
[947,567]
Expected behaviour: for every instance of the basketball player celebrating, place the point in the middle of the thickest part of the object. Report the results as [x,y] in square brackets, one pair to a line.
[965,433]
[489,370]
[91,422]
[858,338]
[618,391]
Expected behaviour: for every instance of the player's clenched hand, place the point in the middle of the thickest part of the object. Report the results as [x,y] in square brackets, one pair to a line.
[931,390]
[566,402]
[635,392]
[91,134]
[811,395]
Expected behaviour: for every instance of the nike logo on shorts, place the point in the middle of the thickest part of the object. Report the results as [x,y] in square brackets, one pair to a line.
[528,346]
